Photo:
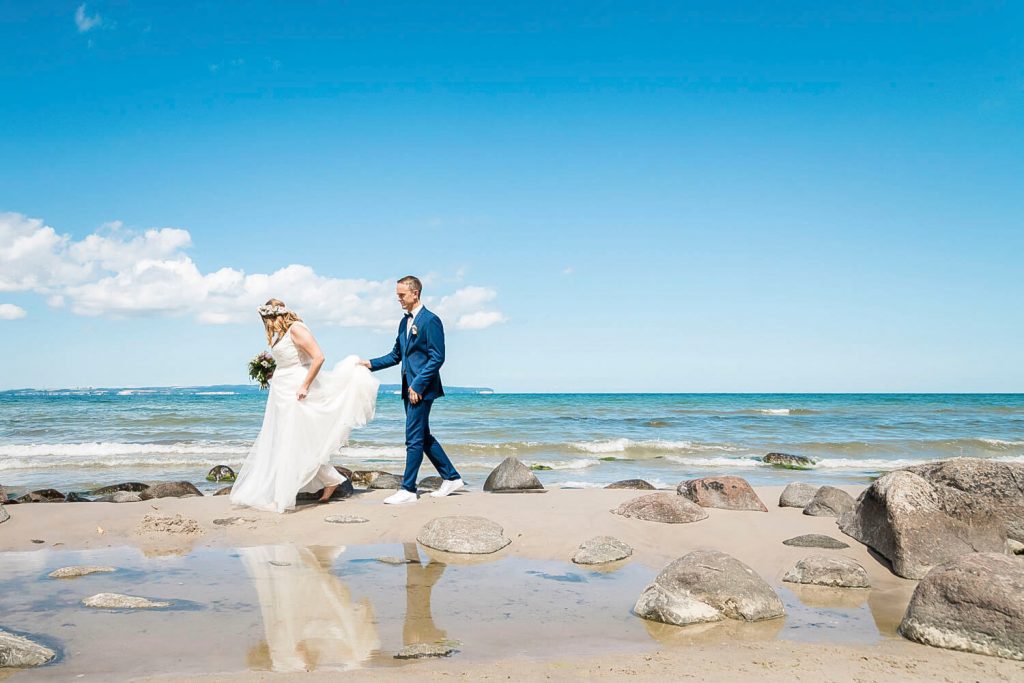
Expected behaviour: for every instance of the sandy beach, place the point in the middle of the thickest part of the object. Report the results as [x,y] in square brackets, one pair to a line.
[828,634]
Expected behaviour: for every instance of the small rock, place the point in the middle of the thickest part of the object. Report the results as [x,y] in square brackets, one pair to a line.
[224,491]
[815,541]
[170,525]
[830,502]
[394,560]
[278,563]
[790,462]
[120,497]
[234,521]
[511,475]
[421,650]
[75,497]
[365,478]
[797,495]
[126,486]
[822,570]
[972,603]
[429,484]
[638,484]
[4,515]
[666,508]
[43,496]
[79,570]
[345,519]
[17,652]
[170,489]
[602,549]
[725,492]
[220,473]
[38,541]
[1013,547]
[118,601]
[467,535]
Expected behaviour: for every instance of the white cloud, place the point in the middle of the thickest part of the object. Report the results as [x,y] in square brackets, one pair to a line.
[569,270]
[84,22]
[116,272]
[11,312]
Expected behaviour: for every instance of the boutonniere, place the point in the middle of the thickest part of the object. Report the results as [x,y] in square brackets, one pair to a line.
[413,329]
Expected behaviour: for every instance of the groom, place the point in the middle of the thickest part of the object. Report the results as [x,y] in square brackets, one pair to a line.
[420,349]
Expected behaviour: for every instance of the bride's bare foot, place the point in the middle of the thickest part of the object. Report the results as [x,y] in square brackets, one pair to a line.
[328,492]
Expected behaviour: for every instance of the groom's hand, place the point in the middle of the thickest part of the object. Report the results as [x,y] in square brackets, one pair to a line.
[414,398]
[365,364]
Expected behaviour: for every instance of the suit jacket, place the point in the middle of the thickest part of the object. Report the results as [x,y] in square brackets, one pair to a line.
[421,355]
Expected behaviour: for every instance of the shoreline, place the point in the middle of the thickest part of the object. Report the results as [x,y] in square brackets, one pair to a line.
[544,528]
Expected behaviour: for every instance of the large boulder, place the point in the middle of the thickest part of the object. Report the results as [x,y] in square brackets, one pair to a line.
[637,484]
[662,507]
[170,489]
[602,549]
[926,515]
[512,475]
[726,492]
[17,652]
[974,603]
[825,570]
[429,483]
[466,535]
[829,502]
[375,479]
[787,461]
[797,495]
[707,585]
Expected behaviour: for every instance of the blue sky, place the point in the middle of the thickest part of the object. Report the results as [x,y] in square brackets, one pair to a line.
[602,196]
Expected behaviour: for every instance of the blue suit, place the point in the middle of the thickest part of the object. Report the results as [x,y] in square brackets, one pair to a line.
[420,349]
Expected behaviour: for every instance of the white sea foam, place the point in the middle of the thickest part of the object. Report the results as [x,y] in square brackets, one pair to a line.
[623,445]
[719,461]
[580,485]
[578,464]
[215,393]
[99,449]
[115,462]
[1001,443]
[773,411]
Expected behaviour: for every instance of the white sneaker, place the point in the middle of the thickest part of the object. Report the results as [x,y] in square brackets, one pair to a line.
[447,488]
[401,498]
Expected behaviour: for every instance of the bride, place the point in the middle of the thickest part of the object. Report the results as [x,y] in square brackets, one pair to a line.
[309,415]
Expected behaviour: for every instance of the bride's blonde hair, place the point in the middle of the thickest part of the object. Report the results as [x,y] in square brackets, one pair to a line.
[277,318]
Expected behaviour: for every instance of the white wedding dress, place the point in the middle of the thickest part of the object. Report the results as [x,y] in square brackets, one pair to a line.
[293,450]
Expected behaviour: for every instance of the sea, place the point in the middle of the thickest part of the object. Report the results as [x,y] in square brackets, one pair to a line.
[79,439]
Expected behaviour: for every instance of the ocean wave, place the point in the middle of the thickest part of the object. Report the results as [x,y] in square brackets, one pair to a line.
[215,393]
[578,464]
[1000,443]
[716,462]
[623,445]
[580,485]
[95,449]
[10,464]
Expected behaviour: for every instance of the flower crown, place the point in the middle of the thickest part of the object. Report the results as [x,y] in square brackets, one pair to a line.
[266,310]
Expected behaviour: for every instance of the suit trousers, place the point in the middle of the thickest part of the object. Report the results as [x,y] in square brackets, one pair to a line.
[419,441]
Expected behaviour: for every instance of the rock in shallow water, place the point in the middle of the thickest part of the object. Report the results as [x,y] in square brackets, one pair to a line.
[797,495]
[822,570]
[815,541]
[796,462]
[512,475]
[118,601]
[973,603]
[705,586]
[421,650]
[602,549]
[79,570]
[667,508]
[17,652]
[467,535]
[220,473]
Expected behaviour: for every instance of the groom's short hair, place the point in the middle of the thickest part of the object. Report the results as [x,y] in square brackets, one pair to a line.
[412,282]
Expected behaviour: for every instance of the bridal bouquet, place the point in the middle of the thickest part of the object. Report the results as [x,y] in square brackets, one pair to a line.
[261,368]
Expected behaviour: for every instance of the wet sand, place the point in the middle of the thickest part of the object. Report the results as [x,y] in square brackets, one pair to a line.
[273,594]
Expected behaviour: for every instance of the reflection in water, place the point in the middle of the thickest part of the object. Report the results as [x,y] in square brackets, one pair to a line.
[419,624]
[308,613]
